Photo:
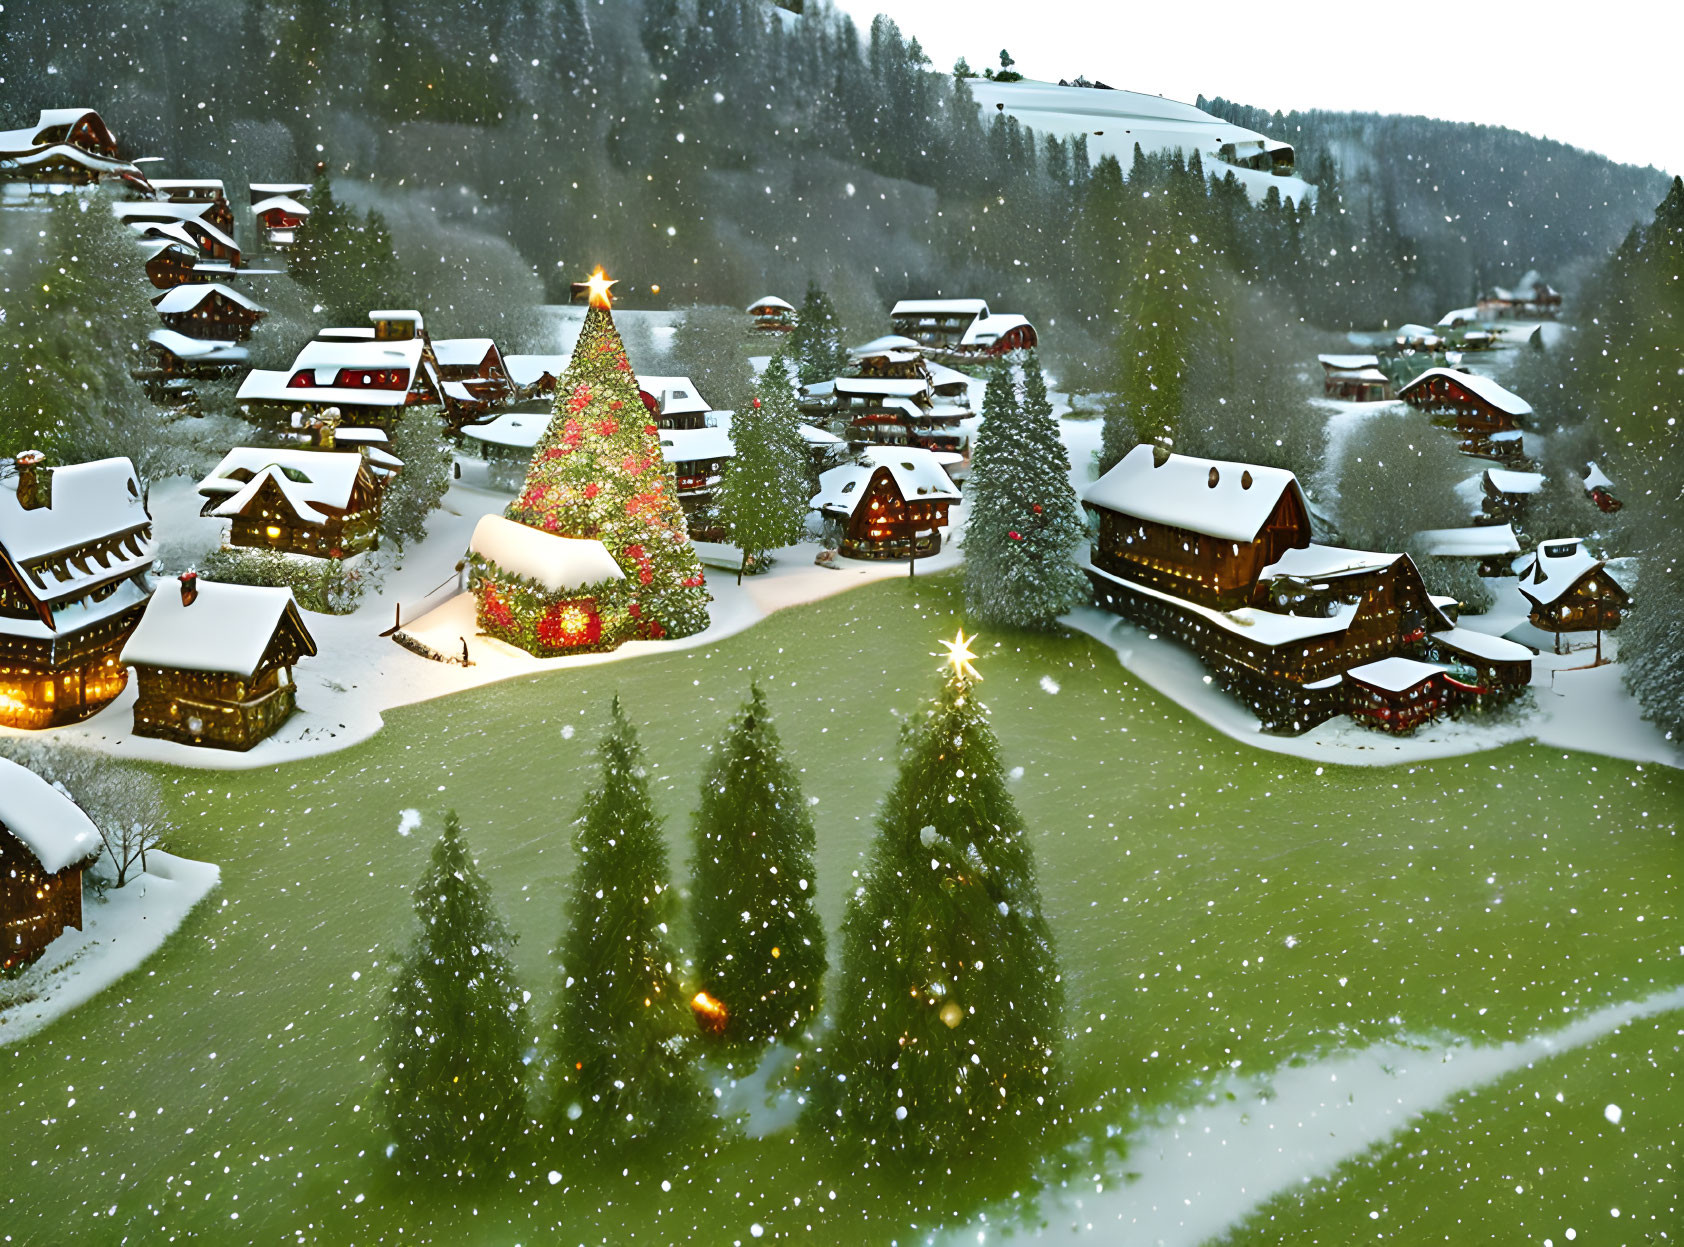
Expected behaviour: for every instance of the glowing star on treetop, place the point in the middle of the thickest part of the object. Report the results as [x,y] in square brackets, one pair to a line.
[960,656]
[597,286]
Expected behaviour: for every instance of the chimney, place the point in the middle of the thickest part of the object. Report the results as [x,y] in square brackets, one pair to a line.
[35,487]
[189,588]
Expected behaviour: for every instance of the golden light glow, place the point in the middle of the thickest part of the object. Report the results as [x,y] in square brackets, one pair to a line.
[598,286]
[960,656]
[952,1015]
[711,1014]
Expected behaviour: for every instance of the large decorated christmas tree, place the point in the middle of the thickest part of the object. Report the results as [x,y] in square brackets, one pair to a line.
[597,474]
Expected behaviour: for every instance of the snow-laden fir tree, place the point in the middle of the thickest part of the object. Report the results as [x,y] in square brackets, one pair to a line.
[618,1045]
[414,494]
[1024,524]
[456,1025]
[816,341]
[950,1002]
[762,498]
[598,473]
[760,945]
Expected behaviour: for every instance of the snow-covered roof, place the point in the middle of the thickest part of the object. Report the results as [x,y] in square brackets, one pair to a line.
[459,391]
[1480,541]
[90,502]
[323,358]
[941,376]
[205,350]
[64,151]
[1358,374]
[50,824]
[1270,628]
[171,230]
[1394,675]
[518,429]
[892,387]
[1313,561]
[462,352]
[1482,387]
[1483,645]
[185,298]
[675,396]
[888,342]
[308,479]
[689,445]
[1506,482]
[279,188]
[1348,363]
[408,314]
[211,185]
[1596,478]
[557,563]
[1450,318]
[940,307]
[815,436]
[771,301]
[1418,333]
[526,369]
[286,203]
[917,474]
[1210,496]
[1555,568]
[987,329]
[226,630]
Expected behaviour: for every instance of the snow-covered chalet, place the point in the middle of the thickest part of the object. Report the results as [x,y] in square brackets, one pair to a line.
[46,842]
[961,327]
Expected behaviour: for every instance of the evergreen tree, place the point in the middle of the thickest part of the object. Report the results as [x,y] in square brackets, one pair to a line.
[762,498]
[1023,524]
[344,259]
[455,1024]
[619,1059]
[598,473]
[760,942]
[948,1025]
[816,341]
[414,493]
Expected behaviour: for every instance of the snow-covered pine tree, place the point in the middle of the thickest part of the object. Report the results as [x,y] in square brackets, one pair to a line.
[619,1059]
[414,493]
[598,473]
[949,1018]
[816,341]
[455,1025]
[762,498]
[760,943]
[1024,523]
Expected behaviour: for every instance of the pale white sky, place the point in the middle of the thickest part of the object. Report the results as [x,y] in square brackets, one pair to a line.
[1596,75]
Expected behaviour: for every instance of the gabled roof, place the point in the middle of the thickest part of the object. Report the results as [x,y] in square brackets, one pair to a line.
[986,329]
[463,352]
[323,359]
[308,479]
[173,231]
[1480,541]
[1506,482]
[285,203]
[1483,645]
[187,297]
[203,350]
[559,564]
[259,190]
[675,396]
[1596,478]
[1348,363]
[689,445]
[527,369]
[1481,387]
[90,502]
[26,137]
[518,429]
[916,472]
[1181,493]
[888,342]
[1556,568]
[1449,319]
[770,301]
[48,823]
[227,629]
[1313,562]
[940,307]
[889,387]
[1394,675]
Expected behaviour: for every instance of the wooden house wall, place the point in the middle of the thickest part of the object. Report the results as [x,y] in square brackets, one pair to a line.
[887,526]
[1473,414]
[216,317]
[1595,602]
[216,710]
[46,682]
[170,268]
[269,523]
[35,906]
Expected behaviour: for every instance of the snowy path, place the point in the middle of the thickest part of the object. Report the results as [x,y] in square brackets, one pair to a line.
[1194,1173]
[118,933]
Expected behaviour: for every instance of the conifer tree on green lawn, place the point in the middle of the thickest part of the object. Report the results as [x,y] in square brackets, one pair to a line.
[762,499]
[455,1024]
[759,941]
[948,1023]
[1024,524]
[816,341]
[618,1046]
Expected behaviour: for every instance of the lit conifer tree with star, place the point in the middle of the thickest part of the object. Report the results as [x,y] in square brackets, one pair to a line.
[598,473]
[948,1022]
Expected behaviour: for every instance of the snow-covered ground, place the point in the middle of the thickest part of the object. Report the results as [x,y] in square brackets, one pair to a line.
[1193,1173]
[119,931]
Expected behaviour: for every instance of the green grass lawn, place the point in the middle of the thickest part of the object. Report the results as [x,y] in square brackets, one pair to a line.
[1212,904]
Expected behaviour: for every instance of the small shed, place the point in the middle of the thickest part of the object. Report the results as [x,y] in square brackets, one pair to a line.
[892,504]
[542,593]
[1354,378]
[1395,694]
[1571,590]
[46,842]
[772,315]
[214,662]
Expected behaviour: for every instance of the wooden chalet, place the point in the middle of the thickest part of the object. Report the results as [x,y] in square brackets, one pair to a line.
[205,194]
[176,361]
[1533,299]
[1397,694]
[1355,378]
[891,504]
[539,591]
[325,504]
[961,327]
[772,315]
[213,662]
[1505,494]
[278,218]
[1571,590]
[169,262]
[181,222]
[473,378]
[75,547]
[209,310]
[65,147]
[534,376]
[1487,416]
[673,402]
[46,842]
[1219,556]
[372,381]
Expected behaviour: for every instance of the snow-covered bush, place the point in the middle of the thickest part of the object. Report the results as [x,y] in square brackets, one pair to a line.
[126,805]
[329,586]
